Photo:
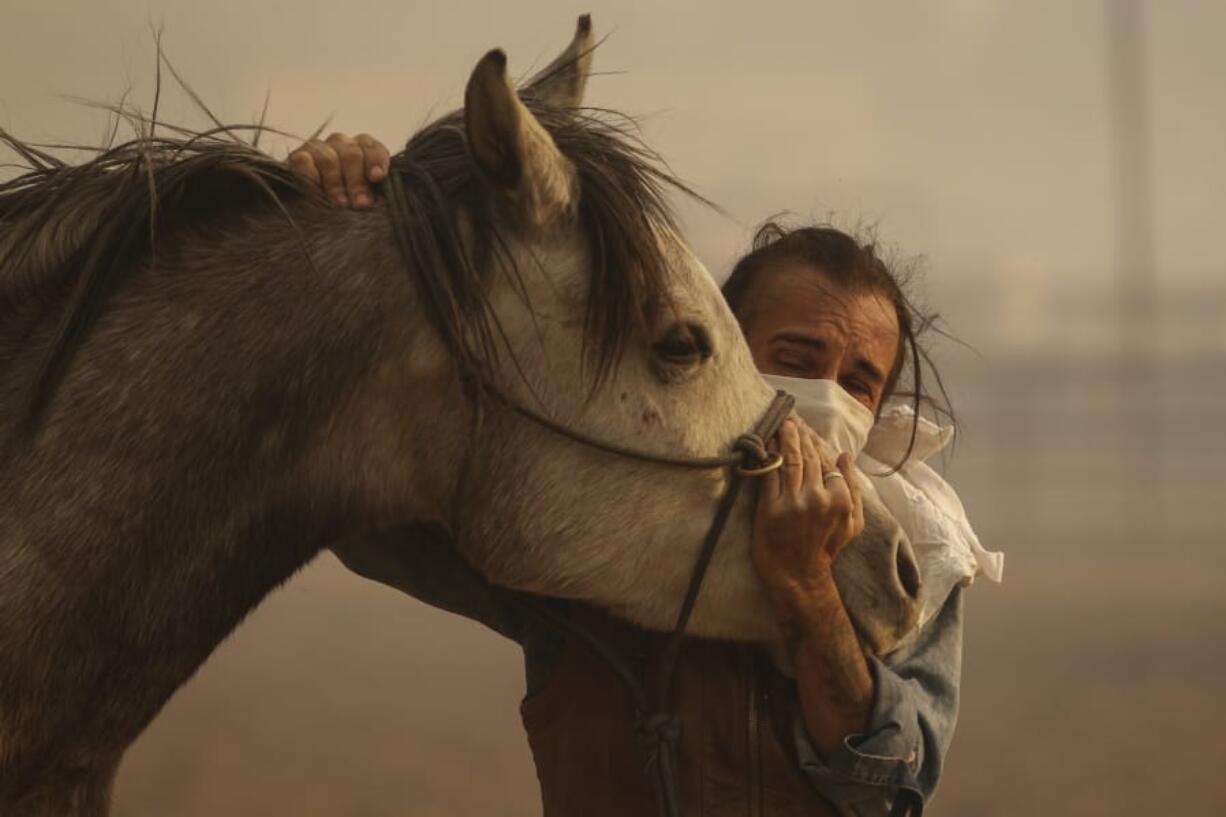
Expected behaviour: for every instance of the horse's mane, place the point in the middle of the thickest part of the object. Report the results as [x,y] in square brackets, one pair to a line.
[69,232]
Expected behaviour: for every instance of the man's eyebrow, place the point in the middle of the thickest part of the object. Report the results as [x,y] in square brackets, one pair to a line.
[866,367]
[801,340]
[862,364]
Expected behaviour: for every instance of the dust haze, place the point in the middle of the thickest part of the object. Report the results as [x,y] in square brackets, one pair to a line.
[1056,183]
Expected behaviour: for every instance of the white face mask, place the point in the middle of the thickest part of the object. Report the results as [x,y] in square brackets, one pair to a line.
[841,420]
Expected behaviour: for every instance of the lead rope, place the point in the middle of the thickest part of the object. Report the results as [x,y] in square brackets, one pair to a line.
[661,729]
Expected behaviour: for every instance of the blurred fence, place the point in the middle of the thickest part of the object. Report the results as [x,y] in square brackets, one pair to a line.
[1081,445]
[1066,449]
[1093,675]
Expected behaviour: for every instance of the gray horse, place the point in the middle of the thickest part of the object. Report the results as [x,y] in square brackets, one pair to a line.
[208,374]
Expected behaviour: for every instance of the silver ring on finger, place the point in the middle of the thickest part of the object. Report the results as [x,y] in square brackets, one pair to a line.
[829,475]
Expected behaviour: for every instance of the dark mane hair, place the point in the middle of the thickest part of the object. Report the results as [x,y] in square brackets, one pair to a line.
[854,265]
[68,232]
[623,187]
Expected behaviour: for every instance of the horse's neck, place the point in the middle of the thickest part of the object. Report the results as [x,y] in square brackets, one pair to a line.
[233,412]
[334,396]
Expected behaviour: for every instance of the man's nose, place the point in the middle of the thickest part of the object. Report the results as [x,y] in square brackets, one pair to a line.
[828,367]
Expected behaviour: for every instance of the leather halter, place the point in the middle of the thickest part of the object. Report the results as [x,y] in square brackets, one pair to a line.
[658,726]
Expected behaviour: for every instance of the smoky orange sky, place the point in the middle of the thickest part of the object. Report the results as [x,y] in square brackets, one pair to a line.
[978,138]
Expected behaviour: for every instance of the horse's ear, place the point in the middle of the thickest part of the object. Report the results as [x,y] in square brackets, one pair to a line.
[514,152]
[561,83]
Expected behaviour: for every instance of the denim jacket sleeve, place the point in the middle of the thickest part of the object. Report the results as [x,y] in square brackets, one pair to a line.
[901,752]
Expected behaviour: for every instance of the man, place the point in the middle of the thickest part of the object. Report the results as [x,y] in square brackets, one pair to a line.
[850,734]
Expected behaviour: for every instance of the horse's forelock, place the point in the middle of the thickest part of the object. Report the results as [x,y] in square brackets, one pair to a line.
[622,212]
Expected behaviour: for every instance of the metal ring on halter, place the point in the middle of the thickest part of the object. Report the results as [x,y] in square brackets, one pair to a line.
[829,475]
[773,461]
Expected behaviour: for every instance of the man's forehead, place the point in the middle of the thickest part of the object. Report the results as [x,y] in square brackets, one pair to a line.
[799,296]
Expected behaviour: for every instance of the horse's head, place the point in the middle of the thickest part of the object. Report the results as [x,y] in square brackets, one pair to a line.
[267,382]
[598,316]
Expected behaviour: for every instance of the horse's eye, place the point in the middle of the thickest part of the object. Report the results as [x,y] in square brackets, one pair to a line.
[684,344]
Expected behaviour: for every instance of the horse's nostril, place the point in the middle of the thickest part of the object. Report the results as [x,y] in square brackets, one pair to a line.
[908,574]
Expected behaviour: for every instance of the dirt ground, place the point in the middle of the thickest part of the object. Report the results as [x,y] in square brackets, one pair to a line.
[1089,689]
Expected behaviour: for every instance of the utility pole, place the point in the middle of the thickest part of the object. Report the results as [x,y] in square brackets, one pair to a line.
[1137,324]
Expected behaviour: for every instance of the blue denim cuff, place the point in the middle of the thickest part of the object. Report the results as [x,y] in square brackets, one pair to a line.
[875,766]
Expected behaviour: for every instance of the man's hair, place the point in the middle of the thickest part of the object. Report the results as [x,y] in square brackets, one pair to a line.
[853,266]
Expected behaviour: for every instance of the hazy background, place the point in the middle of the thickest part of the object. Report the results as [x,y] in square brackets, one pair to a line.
[1059,168]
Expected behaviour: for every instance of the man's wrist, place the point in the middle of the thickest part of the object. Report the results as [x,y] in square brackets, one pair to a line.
[809,600]
[836,686]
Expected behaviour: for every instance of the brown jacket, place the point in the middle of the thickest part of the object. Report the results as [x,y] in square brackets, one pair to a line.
[736,752]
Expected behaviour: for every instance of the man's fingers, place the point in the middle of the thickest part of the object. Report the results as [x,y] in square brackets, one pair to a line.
[823,455]
[814,469]
[772,481]
[302,163]
[827,453]
[352,168]
[848,469]
[808,445]
[837,489]
[793,460]
[378,160]
[328,170]
[344,166]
